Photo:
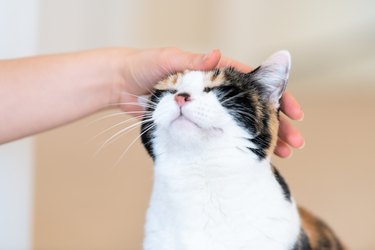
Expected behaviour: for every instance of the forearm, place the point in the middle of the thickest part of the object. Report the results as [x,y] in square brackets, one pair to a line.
[40,93]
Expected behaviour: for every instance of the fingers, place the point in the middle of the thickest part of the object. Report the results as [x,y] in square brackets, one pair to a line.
[282,149]
[131,104]
[289,134]
[179,60]
[209,61]
[289,137]
[291,107]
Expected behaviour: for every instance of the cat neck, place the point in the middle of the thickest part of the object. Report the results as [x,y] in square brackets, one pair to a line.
[213,194]
[228,164]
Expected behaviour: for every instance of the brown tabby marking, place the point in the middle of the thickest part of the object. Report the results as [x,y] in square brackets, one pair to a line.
[169,82]
[321,237]
[211,79]
[215,78]
[273,125]
[215,74]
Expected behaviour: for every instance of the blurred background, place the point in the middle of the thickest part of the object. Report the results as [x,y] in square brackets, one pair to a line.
[57,193]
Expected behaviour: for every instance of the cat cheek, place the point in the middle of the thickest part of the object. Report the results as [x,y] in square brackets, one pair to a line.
[165,112]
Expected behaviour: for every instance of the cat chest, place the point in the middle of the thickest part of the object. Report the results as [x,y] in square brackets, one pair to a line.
[214,225]
[241,210]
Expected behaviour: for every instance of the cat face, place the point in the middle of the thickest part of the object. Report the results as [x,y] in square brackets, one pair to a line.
[194,109]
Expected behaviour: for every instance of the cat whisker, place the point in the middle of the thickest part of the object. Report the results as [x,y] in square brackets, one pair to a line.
[147,117]
[143,105]
[136,78]
[132,143]
[121,132]
[233,97]
[116,125]
[144,98]
[145,130]
[167,69]
[122,113]
[247,114]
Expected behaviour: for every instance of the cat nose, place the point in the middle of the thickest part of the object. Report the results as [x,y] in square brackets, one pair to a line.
[182,98]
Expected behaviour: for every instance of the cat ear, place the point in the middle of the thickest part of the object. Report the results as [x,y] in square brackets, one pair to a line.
[273,76]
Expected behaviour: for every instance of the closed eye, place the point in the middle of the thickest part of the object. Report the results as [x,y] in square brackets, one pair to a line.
[172,91]
[207,89]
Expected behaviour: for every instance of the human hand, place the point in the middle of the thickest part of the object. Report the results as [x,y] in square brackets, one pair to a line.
[289,136]
[144,68]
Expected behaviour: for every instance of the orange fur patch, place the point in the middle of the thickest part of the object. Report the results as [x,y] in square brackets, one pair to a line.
[168,83]
[211,79]
[319,234]
[273,125]
[214,78]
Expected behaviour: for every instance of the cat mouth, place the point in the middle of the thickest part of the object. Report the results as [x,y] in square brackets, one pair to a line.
[183,119]
[188,123]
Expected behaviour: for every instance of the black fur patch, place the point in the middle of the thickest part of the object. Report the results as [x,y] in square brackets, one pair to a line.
[328,239]
[303,242]
[282,183]
[236,96]
[148,136]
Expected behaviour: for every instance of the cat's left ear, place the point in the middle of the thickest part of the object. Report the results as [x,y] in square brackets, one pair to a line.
[273,74]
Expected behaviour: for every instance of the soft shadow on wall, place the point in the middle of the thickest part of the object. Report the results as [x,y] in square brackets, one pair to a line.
[84,201]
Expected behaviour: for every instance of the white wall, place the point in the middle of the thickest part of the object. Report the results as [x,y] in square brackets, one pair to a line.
[18,33]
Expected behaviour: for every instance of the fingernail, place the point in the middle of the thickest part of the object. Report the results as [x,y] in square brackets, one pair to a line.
[208,55]
[302,116]
[290,154]
[303,145]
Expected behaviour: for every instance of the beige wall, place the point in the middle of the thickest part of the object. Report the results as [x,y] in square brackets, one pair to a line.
[85,201]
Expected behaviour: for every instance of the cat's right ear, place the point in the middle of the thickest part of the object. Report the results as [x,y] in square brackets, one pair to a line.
[273,74]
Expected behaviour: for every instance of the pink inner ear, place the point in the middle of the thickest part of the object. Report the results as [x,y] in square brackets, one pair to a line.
[274,73]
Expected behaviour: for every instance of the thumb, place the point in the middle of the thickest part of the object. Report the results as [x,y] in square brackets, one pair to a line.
[181,61]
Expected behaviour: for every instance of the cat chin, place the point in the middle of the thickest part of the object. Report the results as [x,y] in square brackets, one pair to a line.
[184,123]
[187,133]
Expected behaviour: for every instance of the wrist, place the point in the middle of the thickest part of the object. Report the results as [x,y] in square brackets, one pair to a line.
[117,64]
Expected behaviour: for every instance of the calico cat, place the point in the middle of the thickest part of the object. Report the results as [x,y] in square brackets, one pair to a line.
[211,135]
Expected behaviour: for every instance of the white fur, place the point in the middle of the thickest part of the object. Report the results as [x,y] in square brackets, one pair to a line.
[210,192]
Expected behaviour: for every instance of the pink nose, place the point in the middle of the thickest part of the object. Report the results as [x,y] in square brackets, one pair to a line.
[182,98]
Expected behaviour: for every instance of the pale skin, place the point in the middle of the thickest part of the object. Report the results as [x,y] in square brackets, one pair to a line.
[43,92]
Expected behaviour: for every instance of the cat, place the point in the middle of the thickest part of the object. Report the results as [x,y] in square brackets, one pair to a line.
[211,135]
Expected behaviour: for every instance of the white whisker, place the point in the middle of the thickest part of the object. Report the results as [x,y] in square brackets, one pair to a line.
[116,125]
[233,97]
[143,98]
[122,113]
[132,143]
[121,132]
[133,104]
[247,114]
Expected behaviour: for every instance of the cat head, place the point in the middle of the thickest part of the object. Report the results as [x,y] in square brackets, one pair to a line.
[195,109]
